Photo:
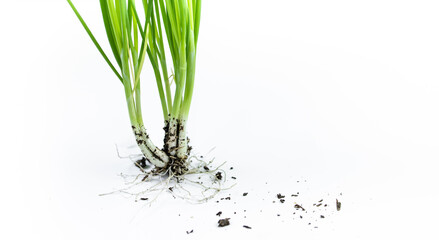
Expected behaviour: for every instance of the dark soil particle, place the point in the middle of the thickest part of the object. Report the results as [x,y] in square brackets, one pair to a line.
[141,163]
[279,196]
[219,213]
[245,226]
[189,232]
[244,194]
[338,204]
[297,206]
[234,178]
[321,216]
[318,205]
[228,198]
[206,168]
[282,200]
[231,168]
[219,176]
[294,195]
[144,199]
[224,222]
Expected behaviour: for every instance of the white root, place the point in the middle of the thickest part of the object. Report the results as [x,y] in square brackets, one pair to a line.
[152,157]
[189,187]
[182,141]
[155,150]
[171,142]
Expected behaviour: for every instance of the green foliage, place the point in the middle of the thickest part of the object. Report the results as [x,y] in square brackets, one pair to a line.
[181,21]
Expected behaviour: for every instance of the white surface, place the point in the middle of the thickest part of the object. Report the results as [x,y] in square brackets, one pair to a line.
[345,94]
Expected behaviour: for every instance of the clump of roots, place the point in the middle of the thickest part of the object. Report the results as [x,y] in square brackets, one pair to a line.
[194,179]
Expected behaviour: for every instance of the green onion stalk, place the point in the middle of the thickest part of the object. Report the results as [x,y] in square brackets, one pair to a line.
[175,22]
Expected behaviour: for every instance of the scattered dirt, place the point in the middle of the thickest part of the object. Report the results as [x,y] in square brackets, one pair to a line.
[314,212]
[338,204]
[224,222]
[297,206]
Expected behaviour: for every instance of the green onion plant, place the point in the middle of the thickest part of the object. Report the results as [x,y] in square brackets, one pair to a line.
[170,26]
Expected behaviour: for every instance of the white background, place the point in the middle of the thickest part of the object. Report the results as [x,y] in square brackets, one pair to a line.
[343,94]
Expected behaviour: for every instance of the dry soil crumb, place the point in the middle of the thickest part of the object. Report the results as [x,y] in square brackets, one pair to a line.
[224,222]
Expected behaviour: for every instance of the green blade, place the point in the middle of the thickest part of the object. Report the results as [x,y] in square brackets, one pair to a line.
[110,31]
[90,34]
[143,47]
[168,30]
[139,23]
[197,20]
